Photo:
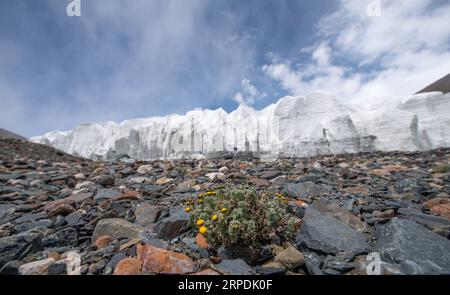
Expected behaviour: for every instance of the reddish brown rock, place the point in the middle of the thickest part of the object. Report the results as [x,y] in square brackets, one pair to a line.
[128,266]
[61,209]
[102,241]
[201,241]
[439,206]
[130,195]
[388,170]
[156,260]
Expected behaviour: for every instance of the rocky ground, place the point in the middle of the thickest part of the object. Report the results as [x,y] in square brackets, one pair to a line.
[65,215]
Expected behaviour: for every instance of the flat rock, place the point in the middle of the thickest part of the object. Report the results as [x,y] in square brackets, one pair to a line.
[403,240]
[326,234]
[116,228]
[333,209]
[160,261]
[233,267]
[106,193]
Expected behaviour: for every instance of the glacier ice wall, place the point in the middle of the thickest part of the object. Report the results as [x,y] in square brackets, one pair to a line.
[293,127]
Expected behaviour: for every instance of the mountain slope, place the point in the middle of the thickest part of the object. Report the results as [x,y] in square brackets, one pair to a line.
[8,134]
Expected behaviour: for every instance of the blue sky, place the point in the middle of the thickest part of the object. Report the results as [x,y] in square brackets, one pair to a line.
[127,59]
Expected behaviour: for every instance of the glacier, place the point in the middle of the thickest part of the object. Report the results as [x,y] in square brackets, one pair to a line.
[295,126]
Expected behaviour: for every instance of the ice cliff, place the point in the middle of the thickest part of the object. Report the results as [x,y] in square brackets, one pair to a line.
[293,127]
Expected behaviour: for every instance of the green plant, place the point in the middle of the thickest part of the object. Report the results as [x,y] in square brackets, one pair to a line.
[241,217]
[442,169]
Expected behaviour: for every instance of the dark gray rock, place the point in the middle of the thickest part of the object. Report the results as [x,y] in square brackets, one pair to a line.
[57,269]
[323,233]
[18,246]
[267,271]
[31,217]
[106,193]
[105,180]
[174,225]
[403,240]
[29,225]
[233,267]
[304,190]
[11,268]
[313,263]
[438,224]
[74,218]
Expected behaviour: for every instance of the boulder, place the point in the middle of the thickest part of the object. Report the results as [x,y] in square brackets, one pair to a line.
[174,225]
[323,233]
[160,261]
[403,240]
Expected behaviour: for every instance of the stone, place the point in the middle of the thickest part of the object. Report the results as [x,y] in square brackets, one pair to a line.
[57,269]
[84,184]
[270,174]
[388,170]
[127,196]
[102,241]
[128,266]
[223,169]
[163,180]
[74,218]
[147,214]
[438,224]
[233,267]
[439,206]
[61,209]
[144,169]
[160,261]
[171,227]
[11,268]
[18,246]
[215,175]
[403,240]
[79,176]
[259,182]
[304,190]
[116,228]
[39,267]
[290,258]
[106,193]
[323,233]
[105,180]
[201,241]
[331,208]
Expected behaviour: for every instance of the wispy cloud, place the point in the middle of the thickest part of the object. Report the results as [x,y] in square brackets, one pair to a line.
[362,58]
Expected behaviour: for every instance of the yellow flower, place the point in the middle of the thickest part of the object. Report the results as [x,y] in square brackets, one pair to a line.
[203,229]
[200,201]
[213,193]
[224,210]
[187,209]
[214,217]
[200,195]
[200,222]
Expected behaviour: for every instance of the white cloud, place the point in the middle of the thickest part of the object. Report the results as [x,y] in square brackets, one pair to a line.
[249,94]
[395,54]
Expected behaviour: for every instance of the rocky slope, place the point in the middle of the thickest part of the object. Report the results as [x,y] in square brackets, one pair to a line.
[72,216]
[316,124]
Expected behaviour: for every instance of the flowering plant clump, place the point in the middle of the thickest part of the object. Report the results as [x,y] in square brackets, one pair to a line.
[241,217]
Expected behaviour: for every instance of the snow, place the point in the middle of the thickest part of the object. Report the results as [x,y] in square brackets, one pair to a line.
[293,127]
